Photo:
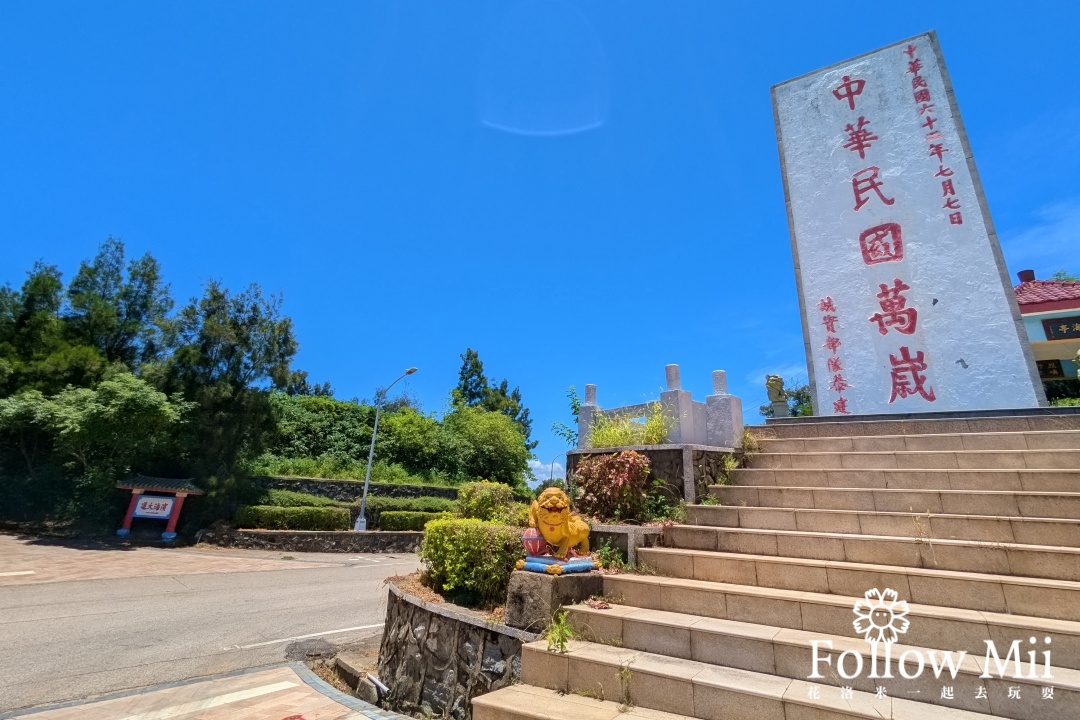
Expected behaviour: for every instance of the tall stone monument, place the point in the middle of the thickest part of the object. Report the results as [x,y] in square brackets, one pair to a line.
[906,302]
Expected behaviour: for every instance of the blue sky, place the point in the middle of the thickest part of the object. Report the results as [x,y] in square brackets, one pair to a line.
[581,191]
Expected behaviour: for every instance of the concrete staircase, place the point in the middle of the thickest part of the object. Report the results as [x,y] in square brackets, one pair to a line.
[974,522]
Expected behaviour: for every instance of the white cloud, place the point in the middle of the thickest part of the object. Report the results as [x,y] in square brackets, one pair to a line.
[1050,244]
[542,471]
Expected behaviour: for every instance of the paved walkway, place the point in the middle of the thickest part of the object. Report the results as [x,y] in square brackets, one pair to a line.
[281,693]
[83,620]
[25,561]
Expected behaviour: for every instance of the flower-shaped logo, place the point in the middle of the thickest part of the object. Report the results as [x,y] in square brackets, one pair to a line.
[881,616]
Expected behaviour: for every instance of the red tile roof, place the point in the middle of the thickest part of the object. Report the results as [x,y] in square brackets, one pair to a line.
[1061,295]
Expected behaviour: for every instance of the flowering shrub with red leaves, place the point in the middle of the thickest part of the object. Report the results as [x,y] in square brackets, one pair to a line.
[612,487]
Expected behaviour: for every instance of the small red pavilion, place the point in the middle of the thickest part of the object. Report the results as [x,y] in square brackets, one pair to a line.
[156,498]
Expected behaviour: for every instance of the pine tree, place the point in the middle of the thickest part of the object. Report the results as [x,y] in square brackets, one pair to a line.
[474,390]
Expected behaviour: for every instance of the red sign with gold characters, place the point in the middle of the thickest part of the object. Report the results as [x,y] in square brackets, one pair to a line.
[905,298]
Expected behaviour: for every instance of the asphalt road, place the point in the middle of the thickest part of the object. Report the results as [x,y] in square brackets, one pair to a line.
[68,640]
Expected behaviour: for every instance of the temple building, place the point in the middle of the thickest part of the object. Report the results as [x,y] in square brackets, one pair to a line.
[1051,313]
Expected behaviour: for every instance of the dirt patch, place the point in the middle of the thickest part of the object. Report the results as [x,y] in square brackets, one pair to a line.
[327,671]
[413,585]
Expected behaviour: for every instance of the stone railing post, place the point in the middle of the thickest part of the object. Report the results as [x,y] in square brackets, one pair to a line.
[586,413]
[723,413]
[679,406]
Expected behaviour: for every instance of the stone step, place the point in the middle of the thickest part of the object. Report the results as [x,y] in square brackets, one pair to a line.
[1055,480]
[1043,440]
[1025,531]
[1044,420]
[931,626]
[1006,503]
[527,702]
[1055,563]
[713,692]
[1009,594]
[1066,460]
[788,653]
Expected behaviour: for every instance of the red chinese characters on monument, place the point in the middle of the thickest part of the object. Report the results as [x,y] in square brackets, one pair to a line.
[884,242]
[833,364]
[866,181]
[925,108]
[907,377]
[849,89]
[859,138]
[881,243]
[895,313]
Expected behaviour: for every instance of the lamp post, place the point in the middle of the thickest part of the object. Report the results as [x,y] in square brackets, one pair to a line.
[361,520]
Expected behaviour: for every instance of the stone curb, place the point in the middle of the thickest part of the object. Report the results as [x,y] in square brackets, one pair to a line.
[344,541]
[363,709]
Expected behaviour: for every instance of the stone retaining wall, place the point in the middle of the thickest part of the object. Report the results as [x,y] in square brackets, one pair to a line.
[315,541]
[351,490]
[436,658]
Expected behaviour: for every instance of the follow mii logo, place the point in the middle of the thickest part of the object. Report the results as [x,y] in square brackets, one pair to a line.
[881,618]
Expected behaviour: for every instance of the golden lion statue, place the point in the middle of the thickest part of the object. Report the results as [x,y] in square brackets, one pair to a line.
[550,513]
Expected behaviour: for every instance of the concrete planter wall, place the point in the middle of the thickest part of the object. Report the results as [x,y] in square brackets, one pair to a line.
[436,658]
[687,469]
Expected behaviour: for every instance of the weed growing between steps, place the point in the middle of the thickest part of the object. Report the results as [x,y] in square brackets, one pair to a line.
[559,633]
[609,557]
[626,676]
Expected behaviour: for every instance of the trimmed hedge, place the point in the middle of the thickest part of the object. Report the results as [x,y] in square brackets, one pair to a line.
[289,498]
[268,517]
[405,520]
[377,505]
[471,560]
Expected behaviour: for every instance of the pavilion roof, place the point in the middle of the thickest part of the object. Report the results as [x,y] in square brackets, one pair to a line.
[163,484]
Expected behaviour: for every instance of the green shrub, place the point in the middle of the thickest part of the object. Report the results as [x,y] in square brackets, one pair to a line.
[663,503]
[288,498]
[613,487]
[471,560]
[266,517]
[404,520]
[335,468]
[377,505]
[484,500]
[1065,402]
[515,515]
[620,431]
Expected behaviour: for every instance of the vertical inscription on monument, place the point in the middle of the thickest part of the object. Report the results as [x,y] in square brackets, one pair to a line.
[904,295]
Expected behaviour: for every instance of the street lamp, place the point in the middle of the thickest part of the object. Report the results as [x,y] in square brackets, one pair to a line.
[361,520]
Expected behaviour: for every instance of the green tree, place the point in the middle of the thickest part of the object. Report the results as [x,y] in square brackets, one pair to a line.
[229,351]
[415,441]
[298,384]
[121,317]
[26,421]
[474,390]
[1064,276]
[312,426]
[96,436]
[35,352]
[489,445]
[112,428]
